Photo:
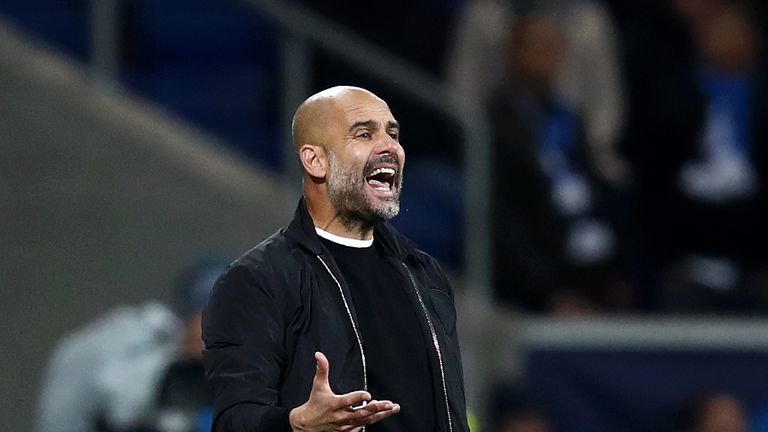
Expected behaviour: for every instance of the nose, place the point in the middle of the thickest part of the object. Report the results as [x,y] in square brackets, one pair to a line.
[388,145]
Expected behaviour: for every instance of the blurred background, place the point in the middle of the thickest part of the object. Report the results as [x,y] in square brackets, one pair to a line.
[591,173]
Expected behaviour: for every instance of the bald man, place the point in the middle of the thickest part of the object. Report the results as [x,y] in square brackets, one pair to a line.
[337,322]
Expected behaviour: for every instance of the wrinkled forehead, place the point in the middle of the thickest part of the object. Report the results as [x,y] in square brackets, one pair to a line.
[356,107]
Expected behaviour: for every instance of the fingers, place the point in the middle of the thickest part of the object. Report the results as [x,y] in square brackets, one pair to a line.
[354,398]
[381,415]
[375,407]
[375,411]
[349,428]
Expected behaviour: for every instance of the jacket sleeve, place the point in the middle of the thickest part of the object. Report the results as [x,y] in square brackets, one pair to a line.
[244,353]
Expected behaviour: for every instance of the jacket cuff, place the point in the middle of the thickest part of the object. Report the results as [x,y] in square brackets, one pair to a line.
[277,419]
[246,417]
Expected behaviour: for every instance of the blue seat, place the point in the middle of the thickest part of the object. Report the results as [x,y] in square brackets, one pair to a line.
[213,63]
[200,31]
[234,103]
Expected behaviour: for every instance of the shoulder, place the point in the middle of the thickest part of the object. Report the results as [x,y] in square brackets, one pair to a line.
[271,251]
[426,260]
[120,337]
[266,269]
[407,249]
[431,269]
[127,325]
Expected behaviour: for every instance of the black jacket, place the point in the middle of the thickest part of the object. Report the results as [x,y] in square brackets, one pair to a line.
[284,300]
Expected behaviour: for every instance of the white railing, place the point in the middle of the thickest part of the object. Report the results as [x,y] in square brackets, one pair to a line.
[671,333]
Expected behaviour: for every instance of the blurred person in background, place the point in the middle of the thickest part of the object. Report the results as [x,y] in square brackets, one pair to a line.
[712,115]
[556,247]
[510,409]
[136,369]
[589,81]
[715,412]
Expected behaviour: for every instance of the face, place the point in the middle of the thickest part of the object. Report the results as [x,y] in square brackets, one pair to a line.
[525,425]
[728,41]
[538,49]
[365,161]
[723,413]
[525,420]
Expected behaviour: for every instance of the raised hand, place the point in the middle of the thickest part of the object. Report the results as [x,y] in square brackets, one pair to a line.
[327,411]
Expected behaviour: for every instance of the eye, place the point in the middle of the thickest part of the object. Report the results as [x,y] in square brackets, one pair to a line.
[365,135]
[394,135]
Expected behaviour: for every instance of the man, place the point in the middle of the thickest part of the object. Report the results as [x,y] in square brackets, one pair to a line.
[339,286]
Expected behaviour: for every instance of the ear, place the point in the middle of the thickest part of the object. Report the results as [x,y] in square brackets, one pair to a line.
[313,160]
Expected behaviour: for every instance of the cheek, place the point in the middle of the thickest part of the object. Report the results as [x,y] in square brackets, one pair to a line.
[357,158]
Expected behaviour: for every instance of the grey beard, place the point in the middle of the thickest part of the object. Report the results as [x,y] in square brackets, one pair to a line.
[352,205]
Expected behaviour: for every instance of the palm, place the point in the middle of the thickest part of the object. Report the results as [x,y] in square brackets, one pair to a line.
[327,411]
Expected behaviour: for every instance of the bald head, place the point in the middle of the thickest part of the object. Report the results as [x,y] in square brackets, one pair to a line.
[348,144]
[313,115]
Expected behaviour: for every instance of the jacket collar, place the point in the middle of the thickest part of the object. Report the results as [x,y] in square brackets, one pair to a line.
[302,230]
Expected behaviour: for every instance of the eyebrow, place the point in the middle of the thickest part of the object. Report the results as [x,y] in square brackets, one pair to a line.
[371,124]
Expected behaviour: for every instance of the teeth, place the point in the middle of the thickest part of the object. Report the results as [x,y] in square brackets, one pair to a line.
[378,171]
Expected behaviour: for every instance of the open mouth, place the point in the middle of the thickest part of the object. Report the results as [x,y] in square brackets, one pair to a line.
[381,179]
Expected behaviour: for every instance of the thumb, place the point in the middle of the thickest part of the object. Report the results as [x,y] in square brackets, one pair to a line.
[323,370]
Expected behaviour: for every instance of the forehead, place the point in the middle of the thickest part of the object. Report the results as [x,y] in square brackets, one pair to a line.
[362,107]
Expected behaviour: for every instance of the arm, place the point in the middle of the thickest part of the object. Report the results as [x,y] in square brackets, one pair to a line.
[475,65]
[244,355]
[592,79]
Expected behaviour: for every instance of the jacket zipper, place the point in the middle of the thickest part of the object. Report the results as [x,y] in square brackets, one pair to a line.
[436,344]
[352,320]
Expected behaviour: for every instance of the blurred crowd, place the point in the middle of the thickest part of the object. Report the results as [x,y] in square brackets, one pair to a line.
[630,168]
[511,409]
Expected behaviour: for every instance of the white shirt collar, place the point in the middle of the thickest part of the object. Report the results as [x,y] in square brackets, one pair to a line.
[344,241]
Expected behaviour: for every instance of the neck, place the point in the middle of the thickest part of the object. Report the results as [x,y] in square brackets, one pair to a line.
[325,217]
